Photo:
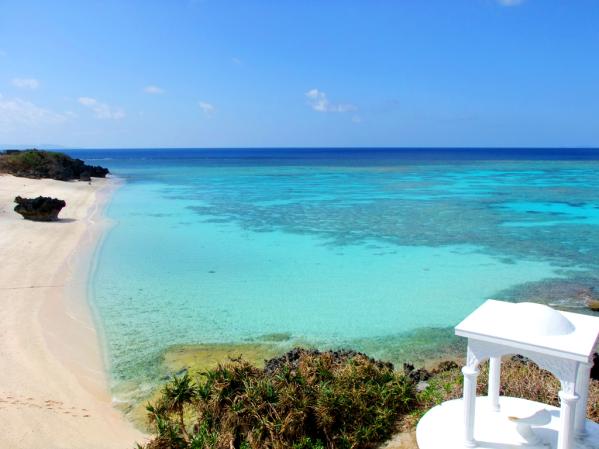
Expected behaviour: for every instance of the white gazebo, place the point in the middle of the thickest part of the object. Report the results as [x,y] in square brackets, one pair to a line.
[560,342]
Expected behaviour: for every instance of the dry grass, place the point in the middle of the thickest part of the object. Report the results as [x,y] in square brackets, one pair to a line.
[519,378]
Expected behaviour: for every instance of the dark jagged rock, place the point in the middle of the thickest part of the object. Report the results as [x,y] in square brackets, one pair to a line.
[292,358]
[41,208]
[421,375]
[47,164]
[446,365]
[417,375]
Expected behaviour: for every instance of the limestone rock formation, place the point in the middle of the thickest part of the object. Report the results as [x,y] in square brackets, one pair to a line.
[41,208]
[47,164]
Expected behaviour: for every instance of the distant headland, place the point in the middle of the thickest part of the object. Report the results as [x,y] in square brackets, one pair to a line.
[38,164]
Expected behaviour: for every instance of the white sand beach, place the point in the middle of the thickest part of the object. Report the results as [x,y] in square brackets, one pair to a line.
[53,385]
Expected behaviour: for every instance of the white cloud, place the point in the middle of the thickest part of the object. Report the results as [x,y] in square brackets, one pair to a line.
[207,108]
[26,83]
[319,101]
[101,110]
[154,90]
[16,112]
[510,2]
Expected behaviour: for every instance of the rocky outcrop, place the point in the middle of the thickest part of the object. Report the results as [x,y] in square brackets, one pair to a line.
[416,374]
[41,208]
[291,359]
[422,374]
[47,164]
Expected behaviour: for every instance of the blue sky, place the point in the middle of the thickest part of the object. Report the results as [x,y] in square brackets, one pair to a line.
[219,73]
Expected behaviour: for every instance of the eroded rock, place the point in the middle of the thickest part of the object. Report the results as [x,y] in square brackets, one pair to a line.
[42,208]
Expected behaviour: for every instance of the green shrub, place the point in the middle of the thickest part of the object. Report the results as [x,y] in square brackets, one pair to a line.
[48,164]
[315,403]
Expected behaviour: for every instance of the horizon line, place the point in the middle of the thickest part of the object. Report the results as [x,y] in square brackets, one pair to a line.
[58,147]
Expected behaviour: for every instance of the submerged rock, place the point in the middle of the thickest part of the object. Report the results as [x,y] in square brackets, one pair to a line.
[42,208]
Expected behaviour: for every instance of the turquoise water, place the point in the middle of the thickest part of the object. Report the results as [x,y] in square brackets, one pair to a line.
[384,256]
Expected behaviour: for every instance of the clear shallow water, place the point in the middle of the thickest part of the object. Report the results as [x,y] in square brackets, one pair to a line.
[380,251]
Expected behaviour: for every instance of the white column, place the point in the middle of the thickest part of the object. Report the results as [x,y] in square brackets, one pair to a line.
[582,390]
[565,438]
[494,376]
[470,374]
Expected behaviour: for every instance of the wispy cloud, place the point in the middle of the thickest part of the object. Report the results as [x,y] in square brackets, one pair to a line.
[101,110]
[319,101]
[510,2]
[3,53]
[26,83]
[15,112]
[153,90]
[207,108]
[236,61]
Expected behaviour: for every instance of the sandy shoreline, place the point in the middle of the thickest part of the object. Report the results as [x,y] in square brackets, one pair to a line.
[53,385]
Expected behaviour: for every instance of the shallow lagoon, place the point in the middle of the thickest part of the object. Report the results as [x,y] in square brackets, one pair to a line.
[383,255]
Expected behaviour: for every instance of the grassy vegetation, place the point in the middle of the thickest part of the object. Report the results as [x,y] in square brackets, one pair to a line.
[519,378]
[320,402]
[315,403]
[30,160]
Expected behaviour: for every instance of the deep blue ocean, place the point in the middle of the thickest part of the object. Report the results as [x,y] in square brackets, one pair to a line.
[382,250]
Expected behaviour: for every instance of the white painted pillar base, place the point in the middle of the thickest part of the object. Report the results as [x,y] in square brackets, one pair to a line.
[470,375]
[565,438]
[494,378]
[582,389]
